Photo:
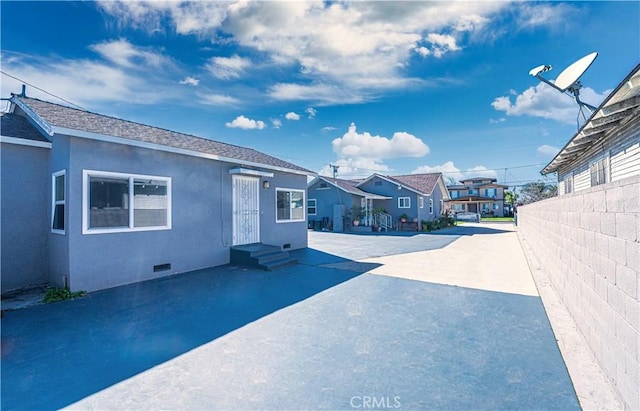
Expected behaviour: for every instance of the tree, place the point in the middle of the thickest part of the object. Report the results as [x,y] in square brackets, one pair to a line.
[511,197]
[536,191]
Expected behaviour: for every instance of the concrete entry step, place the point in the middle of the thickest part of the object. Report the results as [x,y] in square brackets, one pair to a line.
[267,257]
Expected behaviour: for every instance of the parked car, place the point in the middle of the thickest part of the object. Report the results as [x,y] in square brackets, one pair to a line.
[467,216]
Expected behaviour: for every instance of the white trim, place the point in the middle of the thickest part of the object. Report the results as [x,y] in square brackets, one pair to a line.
[24,142]
[304,203]
[421,201]
[54,203]
[168,149]
[315,206]
[431,206]
[39,120]
[250,172]
[404,198]
[131,177]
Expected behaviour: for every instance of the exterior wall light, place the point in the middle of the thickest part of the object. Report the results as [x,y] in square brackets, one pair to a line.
[265,184]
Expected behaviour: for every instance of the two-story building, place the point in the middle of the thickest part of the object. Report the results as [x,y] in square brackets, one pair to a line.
[481,195]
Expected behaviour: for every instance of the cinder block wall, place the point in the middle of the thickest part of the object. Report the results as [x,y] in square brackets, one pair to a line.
[589,244]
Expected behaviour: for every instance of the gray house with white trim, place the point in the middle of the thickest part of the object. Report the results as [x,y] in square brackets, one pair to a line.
[91,201]
[381,199]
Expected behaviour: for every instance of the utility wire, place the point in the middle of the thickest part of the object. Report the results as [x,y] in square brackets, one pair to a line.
[43,90]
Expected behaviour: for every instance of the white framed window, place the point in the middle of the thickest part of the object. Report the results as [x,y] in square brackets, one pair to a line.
[431,206]
[404,202]
[289,205]
[568,184]
[490,192]
[421,201]
[455,194]
[312,206]
[118,202]
[58,201]
[598,172]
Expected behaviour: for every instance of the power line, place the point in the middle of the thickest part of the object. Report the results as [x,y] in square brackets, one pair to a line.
[43,90]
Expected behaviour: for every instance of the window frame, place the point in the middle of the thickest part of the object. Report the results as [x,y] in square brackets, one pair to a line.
[315,206]
[431,206]
[88,174]
[62,202]
[403,200]
[568,184]
[304,202]
[598,172]
[421,202]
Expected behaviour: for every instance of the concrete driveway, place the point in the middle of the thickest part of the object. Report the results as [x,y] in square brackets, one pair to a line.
[385,331]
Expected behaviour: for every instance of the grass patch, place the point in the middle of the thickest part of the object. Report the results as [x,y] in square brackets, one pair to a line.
[60,294]
[496,219]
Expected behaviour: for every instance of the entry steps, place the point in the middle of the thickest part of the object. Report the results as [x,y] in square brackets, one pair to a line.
[267,257]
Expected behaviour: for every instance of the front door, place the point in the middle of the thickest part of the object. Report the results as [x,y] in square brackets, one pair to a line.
[246,210]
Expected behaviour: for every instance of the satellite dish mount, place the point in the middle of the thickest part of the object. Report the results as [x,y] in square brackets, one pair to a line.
[568,81]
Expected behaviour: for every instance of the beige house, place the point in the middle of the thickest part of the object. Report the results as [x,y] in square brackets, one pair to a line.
[481,195]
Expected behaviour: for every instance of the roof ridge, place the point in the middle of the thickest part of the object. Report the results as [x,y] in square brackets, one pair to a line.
[133,122]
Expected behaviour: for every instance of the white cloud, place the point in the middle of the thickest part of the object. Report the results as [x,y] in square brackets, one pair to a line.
[440,44]
[190,81]
[246,123]
[228,68]
[546,102]
[382,38]
[363,145]
[328,128]
[292,116]
[125,54]
[355,168]
[497,120]
[276,123]
[92,84]
[547,150]
[454,174]
[544,14]
[311,112]
[214,99]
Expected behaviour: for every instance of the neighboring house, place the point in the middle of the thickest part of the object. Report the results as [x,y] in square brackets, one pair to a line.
[92,202]
[587,239]
[419,196]
[480,195]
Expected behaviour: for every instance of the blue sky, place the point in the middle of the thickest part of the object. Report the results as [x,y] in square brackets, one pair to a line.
[428,86]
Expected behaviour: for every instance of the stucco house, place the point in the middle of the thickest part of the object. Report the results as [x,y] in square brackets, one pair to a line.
[382,200]
[91,201]
[481,195]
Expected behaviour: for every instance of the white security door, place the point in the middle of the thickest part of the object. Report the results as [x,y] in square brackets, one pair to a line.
[246,210]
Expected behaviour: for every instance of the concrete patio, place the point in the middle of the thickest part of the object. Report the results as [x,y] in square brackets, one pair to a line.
[378,320]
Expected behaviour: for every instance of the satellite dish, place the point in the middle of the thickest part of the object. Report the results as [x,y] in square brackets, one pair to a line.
[569,80]
[571,74]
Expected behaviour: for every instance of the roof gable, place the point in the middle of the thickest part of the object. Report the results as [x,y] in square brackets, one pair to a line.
[67,120]
[348,186]
[418,183]
[13,125]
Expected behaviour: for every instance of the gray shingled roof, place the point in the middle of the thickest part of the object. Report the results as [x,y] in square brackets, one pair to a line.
[12,125]
[423,183]
[349,186]
[65,117]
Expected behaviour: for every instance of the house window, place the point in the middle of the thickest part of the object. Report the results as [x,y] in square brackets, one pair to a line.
[117,202]
[496,206]
[455,194]
[404,202]
[458,207]
[485,206]
[490,192]
[598,172]
[58,201]
[324,185]
[421,201]
[568,184]
[431,206]
[472,192]
[377,183]
[311,206]
[289,205]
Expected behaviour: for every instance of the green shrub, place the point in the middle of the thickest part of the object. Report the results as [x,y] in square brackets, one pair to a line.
[60,294]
